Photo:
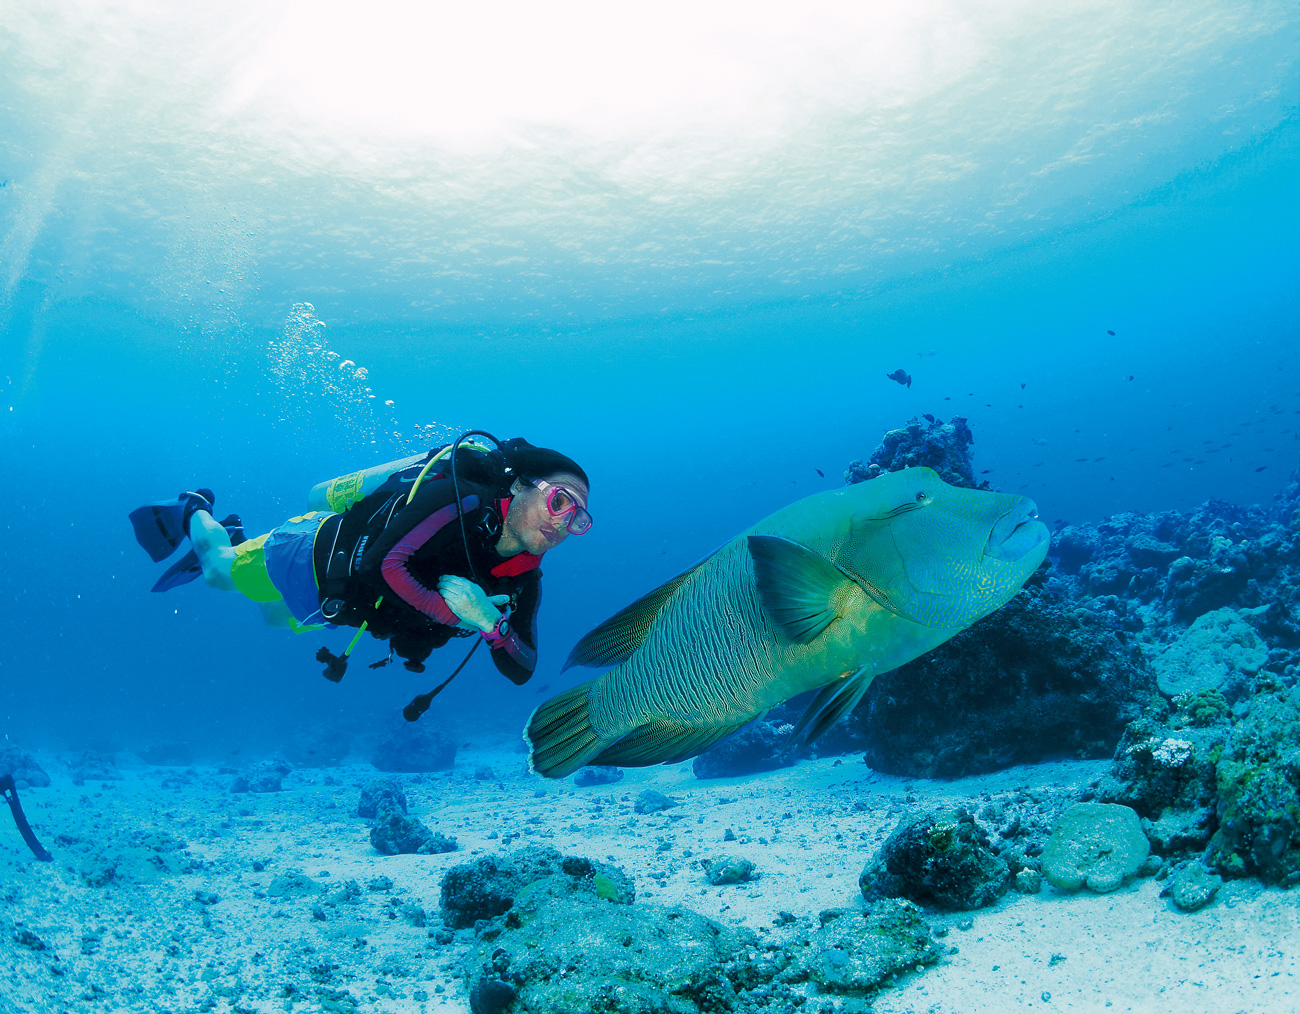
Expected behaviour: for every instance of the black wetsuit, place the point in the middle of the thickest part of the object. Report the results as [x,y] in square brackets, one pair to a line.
[384,549]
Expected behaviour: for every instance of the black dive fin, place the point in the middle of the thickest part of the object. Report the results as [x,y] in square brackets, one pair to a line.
[187,568]
[10,792]
[661,742]
[614,640]
[800,589]
[831,704]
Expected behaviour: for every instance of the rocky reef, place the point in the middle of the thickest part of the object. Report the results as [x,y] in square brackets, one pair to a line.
[943,446]
[412,746]
[1169,641]
[1038,679]
[564,935]
[26,770]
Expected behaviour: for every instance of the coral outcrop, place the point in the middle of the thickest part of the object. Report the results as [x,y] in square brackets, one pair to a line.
[563,946]
[412,747]
[943,446]
[487,887]
[938,859]
[1040,678]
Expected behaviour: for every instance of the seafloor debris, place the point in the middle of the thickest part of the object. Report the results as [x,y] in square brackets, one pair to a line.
[728,870]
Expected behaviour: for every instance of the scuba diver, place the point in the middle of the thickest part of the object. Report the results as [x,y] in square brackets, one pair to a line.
[418,551]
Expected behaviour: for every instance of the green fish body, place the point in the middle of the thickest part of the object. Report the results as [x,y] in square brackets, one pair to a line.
[825,594]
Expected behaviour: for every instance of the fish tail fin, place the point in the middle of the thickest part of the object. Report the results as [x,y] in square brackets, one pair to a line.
[559,734]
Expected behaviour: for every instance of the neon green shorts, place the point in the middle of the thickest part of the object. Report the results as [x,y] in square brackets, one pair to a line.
[278,567]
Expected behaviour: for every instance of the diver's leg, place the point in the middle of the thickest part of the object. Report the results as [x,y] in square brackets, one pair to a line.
[277,614]
[212,546]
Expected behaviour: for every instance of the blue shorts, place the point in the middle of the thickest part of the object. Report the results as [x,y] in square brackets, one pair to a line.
[279,565]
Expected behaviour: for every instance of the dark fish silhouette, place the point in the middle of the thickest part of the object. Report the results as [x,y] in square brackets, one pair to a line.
[1080,459]
[1261,468]
[1130,376]
[928,417]
[900,376]
[820,472]
[543,688]
[1111,333]
[1022,387]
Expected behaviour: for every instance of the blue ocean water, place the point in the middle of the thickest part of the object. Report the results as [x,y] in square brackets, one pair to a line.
[244,248]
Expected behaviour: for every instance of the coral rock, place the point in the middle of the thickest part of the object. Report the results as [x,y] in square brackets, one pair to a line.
[379,792]
[939,859]
[1097,845]
[1193,887]
[857,952]
[1212,649]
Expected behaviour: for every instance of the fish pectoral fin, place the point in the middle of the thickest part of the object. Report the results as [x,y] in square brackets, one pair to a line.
[662,742]
[614,640]
[802,591]
[831,704]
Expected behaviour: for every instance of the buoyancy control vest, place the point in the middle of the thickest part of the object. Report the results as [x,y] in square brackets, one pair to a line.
[351,546]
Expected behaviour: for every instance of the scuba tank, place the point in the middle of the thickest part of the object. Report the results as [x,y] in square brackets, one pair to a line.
[341,492]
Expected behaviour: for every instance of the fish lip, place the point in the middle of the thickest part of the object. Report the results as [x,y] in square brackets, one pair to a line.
[1017,533]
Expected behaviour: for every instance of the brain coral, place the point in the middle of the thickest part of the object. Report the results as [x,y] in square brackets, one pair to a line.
[1217,645]
[1096,845]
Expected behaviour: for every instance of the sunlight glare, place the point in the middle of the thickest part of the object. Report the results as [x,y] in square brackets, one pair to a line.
[455,71]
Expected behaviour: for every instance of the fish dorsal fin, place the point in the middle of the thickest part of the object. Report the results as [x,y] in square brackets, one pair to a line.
[831,703]
[614,640]
[802,591]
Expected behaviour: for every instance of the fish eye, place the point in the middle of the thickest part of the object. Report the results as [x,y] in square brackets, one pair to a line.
[920,497]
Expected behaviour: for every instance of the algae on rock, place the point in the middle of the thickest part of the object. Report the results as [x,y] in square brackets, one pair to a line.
[564,951]
[856,952]
[940,859]
[559,949]
[1259,792]
[487,887]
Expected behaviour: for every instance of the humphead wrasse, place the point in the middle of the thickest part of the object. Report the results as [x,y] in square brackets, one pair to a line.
[827,593]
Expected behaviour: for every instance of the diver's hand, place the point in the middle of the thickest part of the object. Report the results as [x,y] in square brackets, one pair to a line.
[477,610]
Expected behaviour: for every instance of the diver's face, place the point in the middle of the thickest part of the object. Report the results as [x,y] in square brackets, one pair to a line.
[529,519]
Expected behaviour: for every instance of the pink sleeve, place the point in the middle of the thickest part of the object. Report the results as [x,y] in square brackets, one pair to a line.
[398,574]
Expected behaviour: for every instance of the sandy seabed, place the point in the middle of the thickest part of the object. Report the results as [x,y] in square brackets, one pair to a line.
[158,896]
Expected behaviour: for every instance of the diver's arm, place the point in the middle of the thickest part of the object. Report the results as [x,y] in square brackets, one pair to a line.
[396,568]
[515,652]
